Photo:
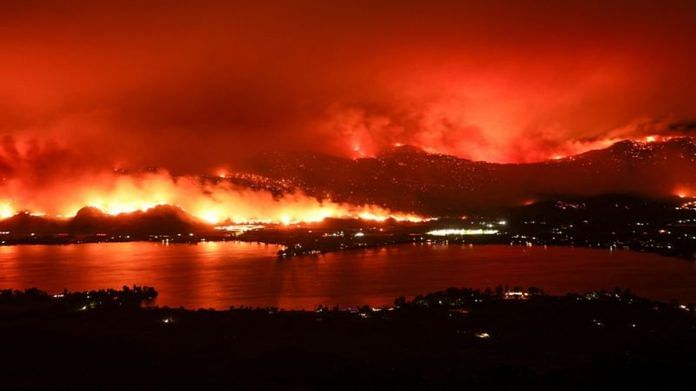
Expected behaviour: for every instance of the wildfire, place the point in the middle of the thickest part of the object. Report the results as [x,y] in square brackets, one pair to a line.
[6,210]
[682,193]
[210,201]
[309,214]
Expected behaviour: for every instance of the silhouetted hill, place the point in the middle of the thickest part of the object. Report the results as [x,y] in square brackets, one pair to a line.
[24,223]
[161,219]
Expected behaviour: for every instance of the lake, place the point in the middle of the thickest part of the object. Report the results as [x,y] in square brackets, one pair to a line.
[220,274]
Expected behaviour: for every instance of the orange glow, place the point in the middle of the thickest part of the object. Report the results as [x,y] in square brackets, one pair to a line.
[682,192]
[211,202]
[212,217]
[6,210]
[493,87]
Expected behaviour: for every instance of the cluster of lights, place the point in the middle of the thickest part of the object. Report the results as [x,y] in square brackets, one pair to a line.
[462,231]
[691,205]
[238,228]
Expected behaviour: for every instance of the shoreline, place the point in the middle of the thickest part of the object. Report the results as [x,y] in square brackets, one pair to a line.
[309,247]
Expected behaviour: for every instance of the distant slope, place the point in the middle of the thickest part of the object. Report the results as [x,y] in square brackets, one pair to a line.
[409,179]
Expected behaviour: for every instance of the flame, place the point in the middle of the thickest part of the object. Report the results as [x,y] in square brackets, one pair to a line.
[210,216]
[6,210]
[214,202]
[682,192]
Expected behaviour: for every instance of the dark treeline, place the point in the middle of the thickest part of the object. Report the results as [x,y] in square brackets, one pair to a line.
[500,338]
[103,298]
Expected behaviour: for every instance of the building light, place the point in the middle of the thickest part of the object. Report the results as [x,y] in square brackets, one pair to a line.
[462,231]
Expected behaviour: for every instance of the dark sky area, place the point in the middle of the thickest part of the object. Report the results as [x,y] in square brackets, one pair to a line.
[190,86]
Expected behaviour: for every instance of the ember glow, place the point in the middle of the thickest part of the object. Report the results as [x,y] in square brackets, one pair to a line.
[683,192]
[6,210]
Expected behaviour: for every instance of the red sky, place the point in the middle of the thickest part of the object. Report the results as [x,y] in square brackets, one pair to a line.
[194,85]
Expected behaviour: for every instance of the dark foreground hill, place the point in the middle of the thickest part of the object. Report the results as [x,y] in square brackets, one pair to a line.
[457,339]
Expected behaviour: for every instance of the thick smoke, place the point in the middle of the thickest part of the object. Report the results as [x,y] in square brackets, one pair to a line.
[193,85]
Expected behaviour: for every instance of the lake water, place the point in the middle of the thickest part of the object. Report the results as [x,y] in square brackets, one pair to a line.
[217,275]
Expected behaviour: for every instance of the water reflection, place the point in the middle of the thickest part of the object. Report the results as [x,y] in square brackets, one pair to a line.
[217,275]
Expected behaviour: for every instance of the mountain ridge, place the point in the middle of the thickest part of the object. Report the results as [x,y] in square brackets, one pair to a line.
[409,179]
